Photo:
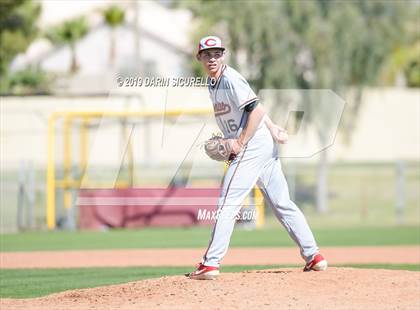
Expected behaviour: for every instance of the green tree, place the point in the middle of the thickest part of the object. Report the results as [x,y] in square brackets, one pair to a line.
[69,33]
[114,17]
[404,61]
[319,44]
[17,29]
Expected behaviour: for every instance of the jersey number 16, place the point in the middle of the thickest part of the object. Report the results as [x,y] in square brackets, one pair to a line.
[230,125]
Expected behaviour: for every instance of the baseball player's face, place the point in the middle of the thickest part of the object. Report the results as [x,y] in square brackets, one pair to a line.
[212,60]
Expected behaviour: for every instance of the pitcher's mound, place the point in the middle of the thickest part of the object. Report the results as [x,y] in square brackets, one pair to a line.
[336,288]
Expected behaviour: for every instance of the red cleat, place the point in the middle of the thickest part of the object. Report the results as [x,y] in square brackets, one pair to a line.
[203,273]
[318,263]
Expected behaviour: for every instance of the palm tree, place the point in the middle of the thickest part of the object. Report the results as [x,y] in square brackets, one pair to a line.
[114,17]
[69,33]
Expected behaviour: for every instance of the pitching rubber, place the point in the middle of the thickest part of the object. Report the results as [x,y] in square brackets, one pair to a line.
[321,266]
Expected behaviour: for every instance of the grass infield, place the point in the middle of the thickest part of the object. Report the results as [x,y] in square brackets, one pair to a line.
[29,283]
[199,236]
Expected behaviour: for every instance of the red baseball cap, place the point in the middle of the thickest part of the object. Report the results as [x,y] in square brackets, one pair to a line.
[209,42]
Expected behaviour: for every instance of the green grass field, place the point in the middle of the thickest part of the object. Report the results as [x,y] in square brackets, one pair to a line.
[198,237]
[28,283]
[362,213]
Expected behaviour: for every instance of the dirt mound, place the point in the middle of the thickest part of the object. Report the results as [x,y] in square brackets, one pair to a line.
[337,288]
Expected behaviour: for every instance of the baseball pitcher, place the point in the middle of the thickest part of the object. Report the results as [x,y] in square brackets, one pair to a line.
[249,144]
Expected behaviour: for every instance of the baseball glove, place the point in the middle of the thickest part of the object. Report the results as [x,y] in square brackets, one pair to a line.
[219,149]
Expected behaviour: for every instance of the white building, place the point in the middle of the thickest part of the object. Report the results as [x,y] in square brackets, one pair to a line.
[156,35]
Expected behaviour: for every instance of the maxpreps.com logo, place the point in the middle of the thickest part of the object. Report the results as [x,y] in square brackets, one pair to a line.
[210,215]
[221,108]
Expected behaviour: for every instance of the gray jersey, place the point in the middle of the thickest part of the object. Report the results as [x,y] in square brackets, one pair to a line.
[257,163]
[229,96]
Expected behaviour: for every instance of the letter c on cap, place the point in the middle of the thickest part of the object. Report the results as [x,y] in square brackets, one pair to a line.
[210,42]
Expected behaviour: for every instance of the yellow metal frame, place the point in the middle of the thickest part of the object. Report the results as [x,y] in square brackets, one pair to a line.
[68,183]
[259,206]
